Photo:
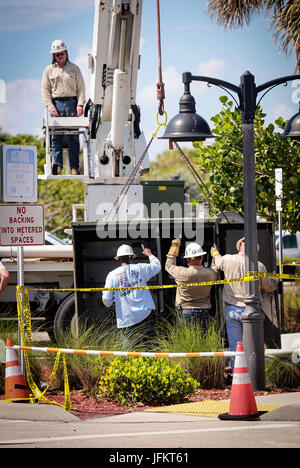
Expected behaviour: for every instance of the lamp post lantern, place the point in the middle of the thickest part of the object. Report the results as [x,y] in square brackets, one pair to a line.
[189,126]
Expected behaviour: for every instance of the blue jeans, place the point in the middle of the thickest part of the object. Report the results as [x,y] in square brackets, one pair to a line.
[66,108]
[234,327]
[201,315]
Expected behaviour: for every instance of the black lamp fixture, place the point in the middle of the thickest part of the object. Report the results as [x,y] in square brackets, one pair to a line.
[292,129]
[187,125]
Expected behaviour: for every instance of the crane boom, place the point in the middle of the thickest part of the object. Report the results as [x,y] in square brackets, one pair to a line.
[114,64]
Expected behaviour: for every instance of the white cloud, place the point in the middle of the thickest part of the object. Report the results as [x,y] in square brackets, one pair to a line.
[173,82]
[173,85]
[143,41]
[283,111]
[172,79]
[82,61]
[18,15]
[211,68]
[23,109]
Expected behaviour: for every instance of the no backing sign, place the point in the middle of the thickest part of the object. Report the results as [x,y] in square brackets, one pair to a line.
[22,225]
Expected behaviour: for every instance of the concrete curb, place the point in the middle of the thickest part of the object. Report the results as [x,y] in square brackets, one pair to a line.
[285,413]
[35,412]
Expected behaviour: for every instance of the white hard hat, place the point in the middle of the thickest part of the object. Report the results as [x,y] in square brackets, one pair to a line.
[58,46]
[124,251]
[194,250]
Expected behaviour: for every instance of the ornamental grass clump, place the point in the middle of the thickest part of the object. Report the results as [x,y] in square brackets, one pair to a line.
[146,380]
[281,374]
[188,336]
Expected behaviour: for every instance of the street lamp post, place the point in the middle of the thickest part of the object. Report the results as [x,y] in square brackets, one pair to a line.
[188,126]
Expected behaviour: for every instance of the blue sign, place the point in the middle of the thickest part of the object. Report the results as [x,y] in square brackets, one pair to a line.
[19,165]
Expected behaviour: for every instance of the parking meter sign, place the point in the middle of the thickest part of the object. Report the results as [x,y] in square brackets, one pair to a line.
[21,225]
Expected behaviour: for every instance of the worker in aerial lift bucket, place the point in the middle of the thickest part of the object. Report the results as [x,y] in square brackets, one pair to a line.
[133,306]
[4,277]
[194,301]
[63,93]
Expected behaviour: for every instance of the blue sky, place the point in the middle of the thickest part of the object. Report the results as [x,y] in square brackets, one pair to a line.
[191,41]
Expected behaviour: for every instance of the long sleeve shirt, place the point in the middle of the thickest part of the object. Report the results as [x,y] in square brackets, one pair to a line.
[4,277]
[132,306]
[191,297]
[234,267]
[63,82]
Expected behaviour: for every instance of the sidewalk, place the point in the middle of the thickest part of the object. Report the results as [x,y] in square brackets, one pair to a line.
[289,410]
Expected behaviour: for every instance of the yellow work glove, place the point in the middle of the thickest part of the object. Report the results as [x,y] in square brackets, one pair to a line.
[174,249]
[214,251]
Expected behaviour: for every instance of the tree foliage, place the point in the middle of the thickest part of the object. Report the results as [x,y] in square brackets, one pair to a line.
[224,162]
[57,196]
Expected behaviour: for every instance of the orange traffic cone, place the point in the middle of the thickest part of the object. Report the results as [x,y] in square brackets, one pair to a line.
[242,401]
[15,385]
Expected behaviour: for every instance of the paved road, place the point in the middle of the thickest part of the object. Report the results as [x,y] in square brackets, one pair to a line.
[149,430]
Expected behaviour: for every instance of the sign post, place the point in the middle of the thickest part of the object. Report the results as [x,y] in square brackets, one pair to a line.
[278,193]
[20,225]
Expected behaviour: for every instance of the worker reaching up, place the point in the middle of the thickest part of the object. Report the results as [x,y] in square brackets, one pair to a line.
[63,92]
[133,307]
[194,301]
[234,294]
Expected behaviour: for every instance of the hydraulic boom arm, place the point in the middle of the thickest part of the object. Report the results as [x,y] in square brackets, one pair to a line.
[114,64]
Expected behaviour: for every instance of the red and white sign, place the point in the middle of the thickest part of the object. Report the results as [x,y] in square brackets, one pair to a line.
[22,225]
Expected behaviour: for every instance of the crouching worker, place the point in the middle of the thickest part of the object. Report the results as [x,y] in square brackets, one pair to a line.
[133,306]
[194,301]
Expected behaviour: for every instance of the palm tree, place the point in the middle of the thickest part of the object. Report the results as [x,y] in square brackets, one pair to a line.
[285,19]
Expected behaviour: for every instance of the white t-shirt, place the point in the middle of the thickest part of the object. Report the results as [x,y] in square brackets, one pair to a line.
[132,306]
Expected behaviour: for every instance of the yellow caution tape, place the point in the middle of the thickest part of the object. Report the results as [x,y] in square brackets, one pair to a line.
[25,329]
[260,274]
[249,276]
[158,286]
[14,400]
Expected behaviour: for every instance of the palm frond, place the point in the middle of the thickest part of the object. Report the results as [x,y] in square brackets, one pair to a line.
[235,13]
[285,19]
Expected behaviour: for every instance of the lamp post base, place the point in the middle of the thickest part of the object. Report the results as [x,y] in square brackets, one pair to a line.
[253,342]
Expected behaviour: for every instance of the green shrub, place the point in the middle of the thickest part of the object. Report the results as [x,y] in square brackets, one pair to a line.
[281,374]
[146,380]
